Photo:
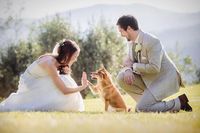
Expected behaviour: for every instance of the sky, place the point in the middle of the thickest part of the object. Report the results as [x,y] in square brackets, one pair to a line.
[42,8]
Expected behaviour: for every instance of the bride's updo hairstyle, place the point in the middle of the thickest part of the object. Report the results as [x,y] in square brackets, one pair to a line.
[63,52]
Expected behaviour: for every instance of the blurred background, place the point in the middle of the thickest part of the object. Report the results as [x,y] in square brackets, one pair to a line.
[29,28]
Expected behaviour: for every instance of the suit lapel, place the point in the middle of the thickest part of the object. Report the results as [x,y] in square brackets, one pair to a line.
[137,56]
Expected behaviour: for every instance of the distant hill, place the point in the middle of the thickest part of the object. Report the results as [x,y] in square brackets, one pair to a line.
[187,39]
[150,18]
[170,27]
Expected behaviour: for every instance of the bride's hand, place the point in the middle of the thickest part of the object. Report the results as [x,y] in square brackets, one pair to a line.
[84,80]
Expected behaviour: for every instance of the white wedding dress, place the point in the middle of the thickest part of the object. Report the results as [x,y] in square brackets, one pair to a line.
[37,92]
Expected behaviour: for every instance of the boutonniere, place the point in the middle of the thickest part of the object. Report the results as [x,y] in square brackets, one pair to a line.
[138,47]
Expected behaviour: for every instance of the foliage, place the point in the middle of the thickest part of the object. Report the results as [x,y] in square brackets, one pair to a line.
[52,31]
[184,65]
[13,61]
[10,23]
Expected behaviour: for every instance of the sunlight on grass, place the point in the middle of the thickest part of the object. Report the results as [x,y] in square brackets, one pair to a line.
[94,119]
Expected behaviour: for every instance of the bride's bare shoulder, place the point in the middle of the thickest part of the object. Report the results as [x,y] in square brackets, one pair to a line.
[46,60]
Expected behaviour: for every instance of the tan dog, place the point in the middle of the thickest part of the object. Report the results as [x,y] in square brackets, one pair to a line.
[106,89]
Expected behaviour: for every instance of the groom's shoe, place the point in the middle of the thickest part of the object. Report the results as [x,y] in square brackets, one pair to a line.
[184,103]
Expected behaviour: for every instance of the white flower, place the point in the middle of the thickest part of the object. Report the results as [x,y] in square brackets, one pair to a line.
[138,47]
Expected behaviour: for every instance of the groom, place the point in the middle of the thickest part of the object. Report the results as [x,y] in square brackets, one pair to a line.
[149,75]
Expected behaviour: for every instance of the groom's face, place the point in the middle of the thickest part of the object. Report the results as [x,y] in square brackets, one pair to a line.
[124,33]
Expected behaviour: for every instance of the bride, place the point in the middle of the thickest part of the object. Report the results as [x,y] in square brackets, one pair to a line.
[46,85]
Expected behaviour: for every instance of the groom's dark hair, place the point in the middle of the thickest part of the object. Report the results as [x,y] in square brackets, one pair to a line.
[128,20]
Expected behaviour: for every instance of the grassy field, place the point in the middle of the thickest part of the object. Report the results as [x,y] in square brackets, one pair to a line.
[95,120]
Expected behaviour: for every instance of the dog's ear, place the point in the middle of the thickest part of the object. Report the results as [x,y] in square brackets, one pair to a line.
[102,66]
[103,75]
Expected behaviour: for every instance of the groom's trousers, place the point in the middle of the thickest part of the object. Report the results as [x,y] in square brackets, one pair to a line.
[146,102]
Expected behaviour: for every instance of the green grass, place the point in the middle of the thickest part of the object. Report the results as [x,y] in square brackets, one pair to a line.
[95,120]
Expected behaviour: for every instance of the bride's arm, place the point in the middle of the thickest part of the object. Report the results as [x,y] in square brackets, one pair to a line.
[49,66]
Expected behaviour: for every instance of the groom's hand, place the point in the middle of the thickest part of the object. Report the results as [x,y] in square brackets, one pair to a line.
[129,77]
[127,62]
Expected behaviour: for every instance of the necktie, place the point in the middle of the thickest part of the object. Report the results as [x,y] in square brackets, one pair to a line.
[134,54]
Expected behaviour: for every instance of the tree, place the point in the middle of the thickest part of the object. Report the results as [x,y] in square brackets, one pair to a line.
[10,22]
[184,65]
[13,61]
[53,30]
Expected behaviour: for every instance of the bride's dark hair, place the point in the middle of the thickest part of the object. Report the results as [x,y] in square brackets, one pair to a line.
[65,49]
[63,52]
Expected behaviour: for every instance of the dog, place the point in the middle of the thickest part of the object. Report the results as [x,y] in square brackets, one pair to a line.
[107,91]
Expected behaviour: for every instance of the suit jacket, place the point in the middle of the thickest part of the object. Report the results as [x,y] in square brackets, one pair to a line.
[157,70]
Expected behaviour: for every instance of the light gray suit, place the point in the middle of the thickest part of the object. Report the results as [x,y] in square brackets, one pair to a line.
[159,77]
